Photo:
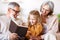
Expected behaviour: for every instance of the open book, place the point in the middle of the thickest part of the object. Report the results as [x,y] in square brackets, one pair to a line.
[21,31]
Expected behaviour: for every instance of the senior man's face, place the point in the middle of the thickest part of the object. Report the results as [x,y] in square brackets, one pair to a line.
[15,11]
[45,10]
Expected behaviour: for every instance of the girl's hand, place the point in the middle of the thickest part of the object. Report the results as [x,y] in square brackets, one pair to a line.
[34,38]
[42,36]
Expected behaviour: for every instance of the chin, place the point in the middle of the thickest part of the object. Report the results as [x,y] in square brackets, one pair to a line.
[32,24]
[15,17]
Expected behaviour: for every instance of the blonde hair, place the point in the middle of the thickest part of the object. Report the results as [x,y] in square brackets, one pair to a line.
[35,13]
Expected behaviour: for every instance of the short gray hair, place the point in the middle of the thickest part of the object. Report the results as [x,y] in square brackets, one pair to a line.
[51,5]
[13,4]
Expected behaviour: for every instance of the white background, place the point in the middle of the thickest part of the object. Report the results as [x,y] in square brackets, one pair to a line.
[27,6]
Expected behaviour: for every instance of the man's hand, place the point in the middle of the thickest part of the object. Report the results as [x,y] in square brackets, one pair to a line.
[13,36]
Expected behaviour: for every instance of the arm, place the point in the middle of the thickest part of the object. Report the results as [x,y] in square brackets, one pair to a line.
[53,27]
[3,36]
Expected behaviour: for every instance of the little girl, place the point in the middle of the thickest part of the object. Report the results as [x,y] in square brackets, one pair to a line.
[34,26]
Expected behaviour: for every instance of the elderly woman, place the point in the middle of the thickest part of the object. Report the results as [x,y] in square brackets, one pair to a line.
[49,21]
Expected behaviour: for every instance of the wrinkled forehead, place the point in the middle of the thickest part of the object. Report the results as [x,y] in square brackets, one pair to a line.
[16,8]
[33,16]
[46,7]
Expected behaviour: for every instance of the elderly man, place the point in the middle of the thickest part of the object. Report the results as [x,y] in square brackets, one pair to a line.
[12,12]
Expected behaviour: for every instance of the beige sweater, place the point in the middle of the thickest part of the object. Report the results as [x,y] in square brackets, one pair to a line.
[4,28]
[52,24]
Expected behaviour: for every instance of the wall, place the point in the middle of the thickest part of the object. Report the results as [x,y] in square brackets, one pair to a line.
[27,5]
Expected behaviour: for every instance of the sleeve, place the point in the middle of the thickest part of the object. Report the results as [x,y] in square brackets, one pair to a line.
[54,27]
[39,30]
[3,36]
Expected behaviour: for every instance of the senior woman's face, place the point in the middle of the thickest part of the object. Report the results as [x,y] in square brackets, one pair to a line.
[45,10]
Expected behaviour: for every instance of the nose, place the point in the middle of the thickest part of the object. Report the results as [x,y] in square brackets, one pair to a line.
[31,21]
[44,11]
[17,14]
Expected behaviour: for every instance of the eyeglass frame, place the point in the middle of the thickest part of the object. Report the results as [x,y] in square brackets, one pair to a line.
[15,10]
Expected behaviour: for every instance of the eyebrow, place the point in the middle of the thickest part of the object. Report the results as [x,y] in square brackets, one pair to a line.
[45,9]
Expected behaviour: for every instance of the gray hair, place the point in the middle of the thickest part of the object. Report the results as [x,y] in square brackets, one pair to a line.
[50,3]
[13,4]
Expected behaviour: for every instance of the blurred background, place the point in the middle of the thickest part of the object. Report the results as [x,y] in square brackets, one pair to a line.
[27,5]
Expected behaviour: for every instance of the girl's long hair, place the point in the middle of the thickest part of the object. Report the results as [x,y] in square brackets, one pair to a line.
[35,13]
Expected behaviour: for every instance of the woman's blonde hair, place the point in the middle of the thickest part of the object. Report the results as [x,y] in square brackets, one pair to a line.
[35,13]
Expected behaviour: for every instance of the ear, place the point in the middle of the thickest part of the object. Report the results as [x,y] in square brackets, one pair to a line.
[41,8]
[9,9]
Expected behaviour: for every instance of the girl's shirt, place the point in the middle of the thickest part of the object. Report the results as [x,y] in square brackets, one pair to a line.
[34,30]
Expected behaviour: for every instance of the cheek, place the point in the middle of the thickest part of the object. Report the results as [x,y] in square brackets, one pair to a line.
[47,12]
[34,21]
[14,15]
[12,12]
[43,11]
[30,21]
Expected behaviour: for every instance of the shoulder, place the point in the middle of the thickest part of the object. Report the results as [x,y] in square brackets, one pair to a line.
[2,17]
[54,16]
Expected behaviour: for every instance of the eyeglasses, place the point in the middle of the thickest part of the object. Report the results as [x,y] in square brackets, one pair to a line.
[15,11]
